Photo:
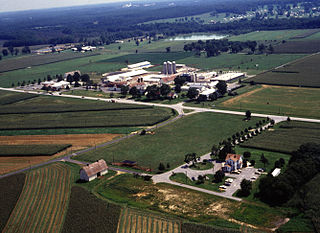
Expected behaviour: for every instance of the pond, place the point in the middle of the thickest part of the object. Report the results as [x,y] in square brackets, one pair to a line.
[198,37]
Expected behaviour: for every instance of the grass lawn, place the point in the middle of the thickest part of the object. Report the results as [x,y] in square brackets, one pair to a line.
[289,101]
[208,184]
[286,137]
[202,166]
[194,133]
[256,154]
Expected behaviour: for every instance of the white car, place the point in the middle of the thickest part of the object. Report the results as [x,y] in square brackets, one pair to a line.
[223,187]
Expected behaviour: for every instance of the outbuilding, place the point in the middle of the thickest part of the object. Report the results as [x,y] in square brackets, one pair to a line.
[93,170]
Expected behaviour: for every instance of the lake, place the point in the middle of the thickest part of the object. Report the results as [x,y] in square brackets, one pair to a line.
[198,37]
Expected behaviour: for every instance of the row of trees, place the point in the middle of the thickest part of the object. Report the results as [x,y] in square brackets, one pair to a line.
[153,92]
[15,51]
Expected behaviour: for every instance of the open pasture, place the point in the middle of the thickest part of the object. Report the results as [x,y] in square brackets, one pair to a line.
[78,142]
[43,202]
[289,101]
[303,72]
[195,133]
[138,222]
[286,137]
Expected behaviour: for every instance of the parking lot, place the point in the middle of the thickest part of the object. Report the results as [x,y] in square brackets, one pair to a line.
[247,173]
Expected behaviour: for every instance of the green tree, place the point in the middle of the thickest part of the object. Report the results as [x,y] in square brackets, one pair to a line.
[161,167]
[11,50]
[124,90]
[134,92]
[168,49]
[177,88]
[153,92]
[248,114]
[192,93]
[246,154]
[218,176]
[222,87]
[246,186]
[165,90]
[5,52]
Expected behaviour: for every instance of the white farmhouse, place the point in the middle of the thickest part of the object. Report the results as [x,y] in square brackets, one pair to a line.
[94,170]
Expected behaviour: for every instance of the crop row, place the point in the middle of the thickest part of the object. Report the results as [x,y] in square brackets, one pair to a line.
[10,98]
[134,222]
[43,201]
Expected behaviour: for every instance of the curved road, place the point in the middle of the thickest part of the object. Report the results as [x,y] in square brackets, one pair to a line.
[177,107]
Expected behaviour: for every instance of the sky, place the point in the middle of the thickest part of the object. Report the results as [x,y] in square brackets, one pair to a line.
[18,5]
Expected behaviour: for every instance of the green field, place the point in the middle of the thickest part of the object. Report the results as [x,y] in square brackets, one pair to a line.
[195,133]
[286,137]
[304,72]
[269,35]
[288,101]
[36,60]
[7,97]
[62,113]
[252,64]
[43,202]
[299,46]
[10,191]
[31,150]
[87,213]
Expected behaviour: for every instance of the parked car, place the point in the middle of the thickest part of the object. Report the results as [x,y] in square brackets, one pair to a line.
[222,187]
[253,178]
[257,173]
[184,166]
[261,170]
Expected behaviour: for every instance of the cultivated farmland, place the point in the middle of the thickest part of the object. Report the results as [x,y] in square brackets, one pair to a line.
[304,47]
[78,142]
[58,113]
[289,101]
[31,150]
[7,97]
[286,137]
[87,213]
[196,133]
[135,222]
[10,190]
[303,72]
[43,201]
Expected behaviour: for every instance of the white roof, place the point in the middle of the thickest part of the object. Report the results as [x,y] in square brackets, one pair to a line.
[228,76]
[208,92]
[276,172]
[125,76]
[140,64]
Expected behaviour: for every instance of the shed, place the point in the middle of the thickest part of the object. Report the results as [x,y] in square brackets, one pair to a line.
[276,172]
[93,170]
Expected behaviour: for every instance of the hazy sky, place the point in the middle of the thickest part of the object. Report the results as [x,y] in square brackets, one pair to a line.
[17,5]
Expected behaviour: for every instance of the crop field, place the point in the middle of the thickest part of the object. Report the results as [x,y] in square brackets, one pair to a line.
[78,142]
[35,60]
[286,137]
[289,101]
[278,35]
[31,150]
[174,200]
[303,72]
[11,188]
[43,202]
[252,64]
[7,97]
[135,222]
[195,133]
[87,213]
[304,47]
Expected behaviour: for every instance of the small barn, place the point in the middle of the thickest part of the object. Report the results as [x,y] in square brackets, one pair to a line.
[93,170]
